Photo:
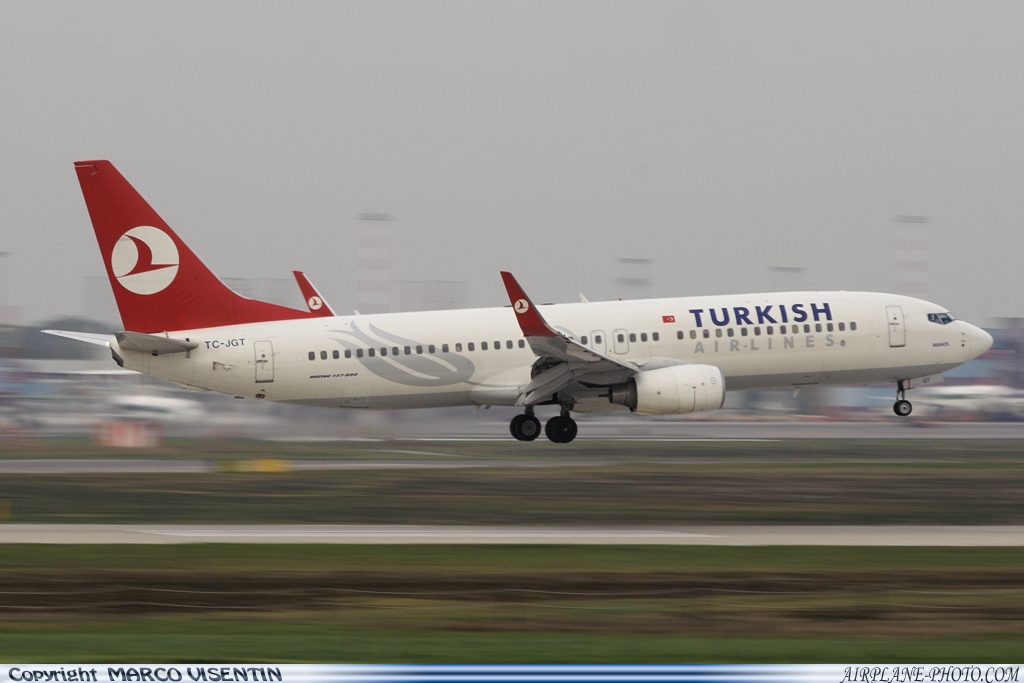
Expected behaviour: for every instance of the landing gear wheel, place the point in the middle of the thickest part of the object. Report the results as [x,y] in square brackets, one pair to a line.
[561,429]
[902,407]
[525,427]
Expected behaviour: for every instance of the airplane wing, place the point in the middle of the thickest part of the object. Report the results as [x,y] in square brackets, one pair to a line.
[561,360]
[317,304]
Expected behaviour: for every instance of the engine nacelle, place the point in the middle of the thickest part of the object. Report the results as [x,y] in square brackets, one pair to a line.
[675,390]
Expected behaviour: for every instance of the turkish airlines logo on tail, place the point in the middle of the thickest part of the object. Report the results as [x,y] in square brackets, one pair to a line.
[315,303]
[522,306]
[144,260]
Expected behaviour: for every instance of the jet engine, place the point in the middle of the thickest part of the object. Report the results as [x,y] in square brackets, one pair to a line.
[675,390]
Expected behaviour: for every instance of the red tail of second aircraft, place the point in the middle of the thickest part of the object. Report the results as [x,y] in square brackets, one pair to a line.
[159,284]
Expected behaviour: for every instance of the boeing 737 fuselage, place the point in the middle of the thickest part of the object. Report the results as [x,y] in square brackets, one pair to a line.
[651,357]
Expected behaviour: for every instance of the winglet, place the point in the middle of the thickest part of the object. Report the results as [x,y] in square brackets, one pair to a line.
[314,301]
[530,320]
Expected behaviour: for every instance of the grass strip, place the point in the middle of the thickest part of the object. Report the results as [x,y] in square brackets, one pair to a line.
[280,603]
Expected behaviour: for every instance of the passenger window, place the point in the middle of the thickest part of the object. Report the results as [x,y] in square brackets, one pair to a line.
[654,336]
[419,348]
[469,346]
[312,355]
[757,331]
[394,350]
[679,334]
[817,327]
[597,340]
[853,327]
[583,340]
[323,355]
[643,336]
[522,342]
[632,336]
[335,354]
[718,332]
[744,331]
[497,345]
[829,327]
[508,343]
[842,327]
[693,334]
[707,333]
[622,338]
[769,330]
[370,352]
[458,347]
[407,350]
[483,346]
[383,350]
[730,332]
[807,328]
[359,353]
[348,353]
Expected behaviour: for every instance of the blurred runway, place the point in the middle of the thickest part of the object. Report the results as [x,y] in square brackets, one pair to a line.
[629,428]
[975,536]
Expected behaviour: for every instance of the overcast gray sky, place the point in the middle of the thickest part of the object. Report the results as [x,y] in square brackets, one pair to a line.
[547,138]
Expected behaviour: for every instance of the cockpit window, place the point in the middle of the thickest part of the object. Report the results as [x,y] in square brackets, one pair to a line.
[940,318]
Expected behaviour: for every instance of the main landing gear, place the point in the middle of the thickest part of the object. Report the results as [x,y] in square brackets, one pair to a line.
[560,429]
[902,406]
[525,427]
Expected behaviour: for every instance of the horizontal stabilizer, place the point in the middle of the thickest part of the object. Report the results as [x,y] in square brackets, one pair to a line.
[151,343]
[98,339]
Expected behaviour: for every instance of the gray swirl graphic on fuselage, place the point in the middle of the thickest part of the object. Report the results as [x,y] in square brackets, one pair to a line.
[416,370]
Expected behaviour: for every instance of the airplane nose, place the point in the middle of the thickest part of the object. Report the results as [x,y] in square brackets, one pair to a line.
[981,341]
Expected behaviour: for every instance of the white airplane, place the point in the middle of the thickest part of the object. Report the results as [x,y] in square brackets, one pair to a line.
[652,357]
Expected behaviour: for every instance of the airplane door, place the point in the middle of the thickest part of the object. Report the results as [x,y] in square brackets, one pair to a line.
[897,330]
[620,340]
[264,361]
[598,341]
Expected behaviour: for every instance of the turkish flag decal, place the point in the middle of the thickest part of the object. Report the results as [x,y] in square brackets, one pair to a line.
[668,318]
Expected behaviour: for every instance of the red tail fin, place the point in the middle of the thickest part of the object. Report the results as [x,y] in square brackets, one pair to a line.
[159,284]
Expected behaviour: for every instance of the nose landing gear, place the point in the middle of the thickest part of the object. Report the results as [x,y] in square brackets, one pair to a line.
[902,406]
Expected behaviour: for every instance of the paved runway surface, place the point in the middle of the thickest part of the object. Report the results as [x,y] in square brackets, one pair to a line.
[171,466]
[397,534]
[654,429]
